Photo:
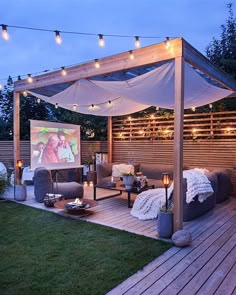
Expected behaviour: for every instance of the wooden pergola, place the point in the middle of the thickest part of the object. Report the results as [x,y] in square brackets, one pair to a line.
[179,50]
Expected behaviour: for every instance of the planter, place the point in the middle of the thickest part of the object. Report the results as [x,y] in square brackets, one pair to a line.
[128,181]
[20,192]
[165,224]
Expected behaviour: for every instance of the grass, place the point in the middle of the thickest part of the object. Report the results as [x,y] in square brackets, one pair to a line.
[43,253]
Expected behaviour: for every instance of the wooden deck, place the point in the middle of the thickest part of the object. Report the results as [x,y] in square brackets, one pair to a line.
[208,266]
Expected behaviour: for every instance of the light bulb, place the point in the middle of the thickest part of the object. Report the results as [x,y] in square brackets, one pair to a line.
[56,105]
[193,109]
[29,79]
[97,64]
[74,107]
[101,41]
[157,108]
[58,38]
[92,106]
[210,105]
[5,34]
[38,100]
[0,86]
[167,42]
[63,71]
[137,42]
[131,54]
[129,118]
[25,93]
[109,103]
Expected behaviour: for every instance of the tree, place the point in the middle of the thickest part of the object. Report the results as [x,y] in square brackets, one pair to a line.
[222,51]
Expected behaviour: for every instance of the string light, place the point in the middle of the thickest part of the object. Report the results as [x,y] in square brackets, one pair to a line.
[92,106]
[210,105]
[58,38]
[29,79]
[56,105]
[5,34]
[19,78]
[97,64]
[74,107]
[193,109]
[167,42]
[38,100]
[109,103]
[0,86]
[63,71]
[25,93]
[101,41]
[131,54]
[152,116]
[157,108]
[137,42]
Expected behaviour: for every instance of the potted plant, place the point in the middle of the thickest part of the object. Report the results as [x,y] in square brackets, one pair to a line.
[3,184]
[165,217]
[128,179]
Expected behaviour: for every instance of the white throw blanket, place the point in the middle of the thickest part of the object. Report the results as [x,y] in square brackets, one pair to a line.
[147,204]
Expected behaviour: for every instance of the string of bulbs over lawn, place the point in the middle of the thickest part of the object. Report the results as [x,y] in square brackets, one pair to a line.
[101,43]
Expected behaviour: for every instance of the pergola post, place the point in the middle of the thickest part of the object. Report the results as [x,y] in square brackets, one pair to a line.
[178,143]
[109,127]
[16,136]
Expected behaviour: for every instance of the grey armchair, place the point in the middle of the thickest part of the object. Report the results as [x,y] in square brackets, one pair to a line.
[43,184]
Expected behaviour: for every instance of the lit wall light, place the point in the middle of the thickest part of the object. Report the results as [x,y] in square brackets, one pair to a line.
[194,130]
[38,100]
[19,163]
[167,42]
[29,79]
[25,93]
[193,109]
[141,131]
[58,38]
[228,130]
[56,105]
[131,54]
[101,41]
[121,134]
[5,34]
[137,42]
[63,71]
[97,64]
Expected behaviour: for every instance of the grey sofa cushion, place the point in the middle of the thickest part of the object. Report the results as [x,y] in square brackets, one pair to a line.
[154,171]
[225,186]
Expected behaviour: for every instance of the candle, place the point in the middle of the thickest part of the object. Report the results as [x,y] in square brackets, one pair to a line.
[85,183]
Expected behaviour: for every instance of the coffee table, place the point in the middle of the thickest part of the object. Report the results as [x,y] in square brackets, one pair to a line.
[78,210]
[121,188]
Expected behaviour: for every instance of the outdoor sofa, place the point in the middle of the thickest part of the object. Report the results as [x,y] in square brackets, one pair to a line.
[219,179]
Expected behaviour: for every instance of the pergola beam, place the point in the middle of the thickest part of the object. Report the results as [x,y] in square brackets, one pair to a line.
[16,135]
[200,62]
[143,56]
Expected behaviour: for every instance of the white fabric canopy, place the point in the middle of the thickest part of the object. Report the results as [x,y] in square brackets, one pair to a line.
[155,88]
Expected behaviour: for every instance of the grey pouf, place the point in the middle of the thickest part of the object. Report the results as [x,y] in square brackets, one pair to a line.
[182,238]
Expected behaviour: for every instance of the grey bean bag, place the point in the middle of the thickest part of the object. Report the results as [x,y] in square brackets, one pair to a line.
[43,184]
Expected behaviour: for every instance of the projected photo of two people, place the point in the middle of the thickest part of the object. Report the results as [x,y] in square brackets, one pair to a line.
[55,149]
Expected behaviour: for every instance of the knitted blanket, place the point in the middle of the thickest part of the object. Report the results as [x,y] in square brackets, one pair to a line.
[147,204]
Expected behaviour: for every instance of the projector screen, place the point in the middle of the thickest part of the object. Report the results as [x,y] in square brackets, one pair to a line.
[54,145]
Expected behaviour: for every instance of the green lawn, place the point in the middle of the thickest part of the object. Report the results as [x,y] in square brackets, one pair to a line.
[43,253]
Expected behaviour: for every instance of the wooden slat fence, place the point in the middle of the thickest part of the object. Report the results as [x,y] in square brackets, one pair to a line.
[196,126]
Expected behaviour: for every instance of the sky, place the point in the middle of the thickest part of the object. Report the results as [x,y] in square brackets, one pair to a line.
[197,21]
